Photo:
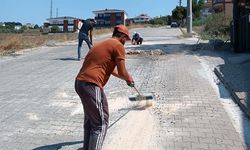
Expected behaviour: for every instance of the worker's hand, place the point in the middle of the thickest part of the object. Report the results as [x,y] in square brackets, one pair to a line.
[130,82]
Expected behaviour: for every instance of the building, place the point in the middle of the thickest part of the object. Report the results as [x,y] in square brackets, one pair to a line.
[142,18]
[207,9]
[110,17]
[17,27]
[65,24]
[225,6]
[240,35]
[30,25]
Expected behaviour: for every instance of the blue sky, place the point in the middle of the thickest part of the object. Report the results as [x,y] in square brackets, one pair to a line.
[36,11]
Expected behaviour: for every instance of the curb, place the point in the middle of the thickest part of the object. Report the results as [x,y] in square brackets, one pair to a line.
[236,99]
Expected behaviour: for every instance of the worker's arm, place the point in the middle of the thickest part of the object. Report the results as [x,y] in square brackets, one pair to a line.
[120,70]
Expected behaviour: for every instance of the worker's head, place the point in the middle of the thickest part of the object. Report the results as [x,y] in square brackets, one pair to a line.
[92,21]
[121,32]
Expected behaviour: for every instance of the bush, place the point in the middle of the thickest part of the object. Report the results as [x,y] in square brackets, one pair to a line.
[199,22]
[163,20]
[217,26]
[55,29]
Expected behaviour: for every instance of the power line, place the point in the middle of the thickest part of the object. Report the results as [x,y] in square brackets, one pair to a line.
[180,2]
[51,9]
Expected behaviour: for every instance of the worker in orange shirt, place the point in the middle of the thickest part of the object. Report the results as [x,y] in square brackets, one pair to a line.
[104,59]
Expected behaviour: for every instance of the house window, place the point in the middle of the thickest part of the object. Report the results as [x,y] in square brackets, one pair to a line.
[101,22]
[106,15]
[71,22]
[61,28]
[118,22]
[70,29]
[100,15]
[118,14]
[107,22]
[53,23]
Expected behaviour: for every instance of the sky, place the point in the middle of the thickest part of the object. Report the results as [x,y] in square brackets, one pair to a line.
[37,11]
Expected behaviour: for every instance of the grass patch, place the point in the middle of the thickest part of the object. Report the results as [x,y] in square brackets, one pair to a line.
[12,42]
[216,26]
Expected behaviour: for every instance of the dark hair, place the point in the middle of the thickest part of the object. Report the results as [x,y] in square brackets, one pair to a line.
[116,33]
[91,20]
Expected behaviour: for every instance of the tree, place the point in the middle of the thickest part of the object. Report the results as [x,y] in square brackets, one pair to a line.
[163,20]
[197,5]
[36,27]
[169,19]
[179,14]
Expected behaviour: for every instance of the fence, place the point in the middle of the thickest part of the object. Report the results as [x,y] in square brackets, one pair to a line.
[240,33]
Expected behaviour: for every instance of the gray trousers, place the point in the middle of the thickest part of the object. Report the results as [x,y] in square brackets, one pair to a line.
[83,37]
[96,114]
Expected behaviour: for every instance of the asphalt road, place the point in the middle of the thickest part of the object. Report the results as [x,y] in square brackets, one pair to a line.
[40,109]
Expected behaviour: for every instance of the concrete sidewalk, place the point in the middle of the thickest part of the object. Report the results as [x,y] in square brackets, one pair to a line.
[235,74]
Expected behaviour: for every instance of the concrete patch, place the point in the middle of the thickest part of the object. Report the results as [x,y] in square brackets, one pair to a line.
[32,116]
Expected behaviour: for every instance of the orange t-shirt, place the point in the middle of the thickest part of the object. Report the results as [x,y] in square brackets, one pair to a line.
[101,61]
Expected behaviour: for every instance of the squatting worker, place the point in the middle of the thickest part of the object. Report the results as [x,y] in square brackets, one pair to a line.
[85,34]
[103,59]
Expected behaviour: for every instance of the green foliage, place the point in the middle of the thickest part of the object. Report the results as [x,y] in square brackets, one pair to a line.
[163,20]
[197,5]
[217,26]
[54,29]
[36,27]
[6,29]
[9,28]
[179,13]
[199,22]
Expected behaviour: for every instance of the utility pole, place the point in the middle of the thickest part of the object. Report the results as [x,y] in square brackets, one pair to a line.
[51,9]
[189,16]
[56,12]
[180,3]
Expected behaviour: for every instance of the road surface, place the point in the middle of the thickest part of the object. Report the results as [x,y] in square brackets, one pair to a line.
[40,109]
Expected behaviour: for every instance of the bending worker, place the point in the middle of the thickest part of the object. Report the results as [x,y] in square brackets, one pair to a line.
[137,38]
[103,59]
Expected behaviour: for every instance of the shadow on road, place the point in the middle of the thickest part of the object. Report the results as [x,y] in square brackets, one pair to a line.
[58,146]
[67,59]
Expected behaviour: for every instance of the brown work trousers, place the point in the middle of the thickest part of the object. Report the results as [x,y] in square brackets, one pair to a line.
[96,114]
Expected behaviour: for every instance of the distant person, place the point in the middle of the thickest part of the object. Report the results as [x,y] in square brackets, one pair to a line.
[137,38]
[104,58]
[85,34]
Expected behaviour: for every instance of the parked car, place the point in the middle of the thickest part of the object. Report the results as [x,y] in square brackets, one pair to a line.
[174,25]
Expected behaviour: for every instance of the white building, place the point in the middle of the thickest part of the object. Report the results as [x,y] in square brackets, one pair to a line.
[18,27]
[29,25]
[142,18]
[65,24]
